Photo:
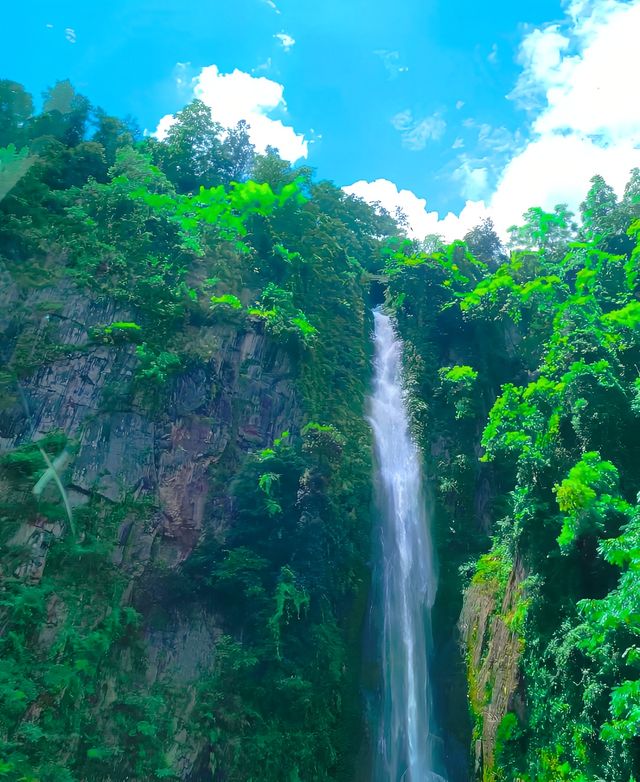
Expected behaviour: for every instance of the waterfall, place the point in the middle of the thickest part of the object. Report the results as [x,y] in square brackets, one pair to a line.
[404,584]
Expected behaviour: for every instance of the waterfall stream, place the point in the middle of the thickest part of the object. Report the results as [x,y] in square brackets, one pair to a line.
[405,581]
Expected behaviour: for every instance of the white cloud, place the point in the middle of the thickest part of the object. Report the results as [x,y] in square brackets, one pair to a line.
[474,180]
[272,5]
[420,221]
[556,169]
[392,62]
[583,77]
[239,95]
[415,133]
[593,92]
[492,57]
[540,56]
[286,41]
[579,82]
[163,126]
[70,34]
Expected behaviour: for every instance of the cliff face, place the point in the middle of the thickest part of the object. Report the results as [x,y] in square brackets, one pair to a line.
[164,465]
[238,400]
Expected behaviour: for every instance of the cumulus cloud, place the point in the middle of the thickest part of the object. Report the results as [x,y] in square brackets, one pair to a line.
[286,41]
[164,125]
[578,81]
[556,169]
[592,93]
[239,95]
[541,54]
[581,77]
[474,180]
[415,132]
[420,222]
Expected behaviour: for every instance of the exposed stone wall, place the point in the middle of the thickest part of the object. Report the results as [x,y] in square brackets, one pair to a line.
[178,455]
[493,649]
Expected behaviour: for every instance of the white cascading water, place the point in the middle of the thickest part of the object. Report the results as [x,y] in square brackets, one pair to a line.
[405,579]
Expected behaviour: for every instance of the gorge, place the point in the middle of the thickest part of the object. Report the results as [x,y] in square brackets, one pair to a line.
[187,339]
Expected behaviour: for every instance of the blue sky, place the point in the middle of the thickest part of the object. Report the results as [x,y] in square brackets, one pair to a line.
[413,99]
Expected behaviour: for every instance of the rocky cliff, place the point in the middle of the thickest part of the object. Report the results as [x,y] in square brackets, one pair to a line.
[491,638]
[166,467]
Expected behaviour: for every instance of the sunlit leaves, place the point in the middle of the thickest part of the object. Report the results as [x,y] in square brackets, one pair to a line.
[226,300]
[628,317]
[226,209]
[459,382]
[290,600]
[267,483]
[524,421]
[586,498]
[545,232]
[284,320]
[155,367]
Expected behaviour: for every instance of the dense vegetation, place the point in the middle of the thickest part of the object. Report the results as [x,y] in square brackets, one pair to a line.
[186,235]
[522,370]
[525,382]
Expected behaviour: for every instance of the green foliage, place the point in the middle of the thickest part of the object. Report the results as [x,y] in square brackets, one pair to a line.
[116,333]
[155,367]
[493,569]
[508,725]
[460,374]
[227,210]
[48,691]
[284,321]
[266,482]
[271,704]
[544,351]
[226,300]
[459,384]
[545,232]
[167,239]
[585,497]
[323,441]
[290,599]
[627,317]
[523,380]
